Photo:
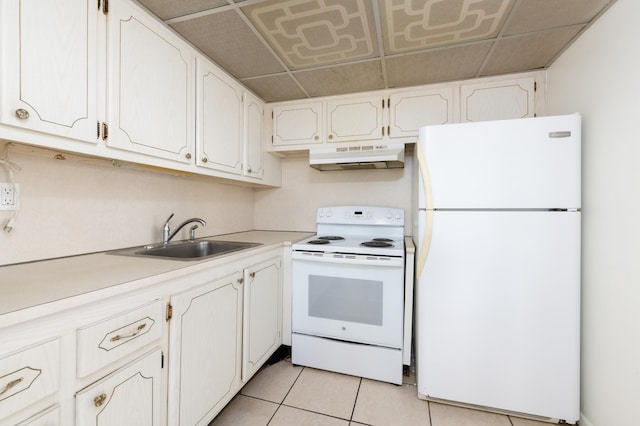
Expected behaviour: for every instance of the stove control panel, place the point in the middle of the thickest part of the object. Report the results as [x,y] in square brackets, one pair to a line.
[363,215]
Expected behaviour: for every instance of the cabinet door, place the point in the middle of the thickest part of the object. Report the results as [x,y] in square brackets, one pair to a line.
[355,119]
[410,111]
[219,121]
[205,350]
[29,376]
[150,79]
[298,124]
[48,71]
[253,114]
[498,100]
[129,396]
[262,314]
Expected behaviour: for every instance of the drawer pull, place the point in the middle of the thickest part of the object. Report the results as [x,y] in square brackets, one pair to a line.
[133,334]
[10,385]
[99,400]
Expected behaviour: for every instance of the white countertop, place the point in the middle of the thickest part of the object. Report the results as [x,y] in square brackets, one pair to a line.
[68,281]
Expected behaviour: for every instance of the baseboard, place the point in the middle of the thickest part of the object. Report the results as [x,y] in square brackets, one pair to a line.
[584,421]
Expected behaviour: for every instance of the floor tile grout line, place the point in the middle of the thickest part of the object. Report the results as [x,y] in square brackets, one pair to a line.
[315,412]
[355,401]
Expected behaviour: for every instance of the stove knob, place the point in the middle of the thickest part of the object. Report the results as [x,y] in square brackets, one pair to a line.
[389,215]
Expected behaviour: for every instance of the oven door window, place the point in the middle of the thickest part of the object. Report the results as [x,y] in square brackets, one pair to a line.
[346,299]
[356,302]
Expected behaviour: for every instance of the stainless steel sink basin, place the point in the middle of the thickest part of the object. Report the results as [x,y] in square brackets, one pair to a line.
[190,250]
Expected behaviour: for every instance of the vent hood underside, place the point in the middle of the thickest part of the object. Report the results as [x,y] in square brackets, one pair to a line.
[365,157]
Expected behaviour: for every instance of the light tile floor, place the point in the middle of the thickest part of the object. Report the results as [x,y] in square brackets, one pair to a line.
[285,395]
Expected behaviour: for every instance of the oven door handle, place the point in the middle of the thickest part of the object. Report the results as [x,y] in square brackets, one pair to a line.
[348,259]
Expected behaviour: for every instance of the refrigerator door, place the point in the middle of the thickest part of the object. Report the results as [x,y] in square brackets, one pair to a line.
[498,317]
[510,164]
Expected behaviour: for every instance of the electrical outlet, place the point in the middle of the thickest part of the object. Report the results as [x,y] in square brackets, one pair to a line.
[9,196]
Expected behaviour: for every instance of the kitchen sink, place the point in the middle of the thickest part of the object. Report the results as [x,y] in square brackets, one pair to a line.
[189,250]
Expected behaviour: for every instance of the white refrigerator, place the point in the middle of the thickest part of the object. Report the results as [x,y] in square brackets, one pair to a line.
[498,265]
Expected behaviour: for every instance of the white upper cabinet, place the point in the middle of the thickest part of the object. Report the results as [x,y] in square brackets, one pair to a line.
[411,110]
[253,122]
[497,100]
[355,119]
[219,123]
[151,90]
[297,124]
[49,67]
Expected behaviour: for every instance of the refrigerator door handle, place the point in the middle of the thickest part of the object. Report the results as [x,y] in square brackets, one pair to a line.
[428,197]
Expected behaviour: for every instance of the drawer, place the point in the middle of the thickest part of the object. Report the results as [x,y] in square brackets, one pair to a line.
[101,343]
[29,376]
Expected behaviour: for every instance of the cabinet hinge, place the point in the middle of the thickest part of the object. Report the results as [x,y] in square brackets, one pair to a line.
[169,314]
[105,6]
[388,102]
[162,360]
[97,130]
[535,86]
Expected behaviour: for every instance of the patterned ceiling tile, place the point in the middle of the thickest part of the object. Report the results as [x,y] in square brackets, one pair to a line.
[309,33]
[226,39]
[275,88]
[529,51]
[167,9]
[411,25]
[447,64]
[535,15]
[356,77]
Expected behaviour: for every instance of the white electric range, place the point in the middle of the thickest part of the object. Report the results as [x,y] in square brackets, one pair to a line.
[348,293]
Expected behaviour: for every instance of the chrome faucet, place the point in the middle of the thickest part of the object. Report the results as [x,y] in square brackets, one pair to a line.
[167,235]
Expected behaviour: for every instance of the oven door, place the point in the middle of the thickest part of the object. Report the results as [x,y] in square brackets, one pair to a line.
[356,298]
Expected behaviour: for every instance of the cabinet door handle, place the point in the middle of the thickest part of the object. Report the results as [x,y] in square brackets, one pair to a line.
[240,280]
[204,159]
[10,385]
[22,114]
[132,334]
[99,400]
[252,274]
[188,156]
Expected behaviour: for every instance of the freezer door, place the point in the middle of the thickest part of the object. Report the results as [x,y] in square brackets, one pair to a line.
[498,312]
[509,164]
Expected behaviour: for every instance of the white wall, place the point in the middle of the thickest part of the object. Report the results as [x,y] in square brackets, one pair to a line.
[83,205]
[293,206]
[598,76]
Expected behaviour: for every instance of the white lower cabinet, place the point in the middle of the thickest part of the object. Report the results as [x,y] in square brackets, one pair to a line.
[205,349]
[28,378]
[221,332]
[174,353]
[262,314]
[129,396]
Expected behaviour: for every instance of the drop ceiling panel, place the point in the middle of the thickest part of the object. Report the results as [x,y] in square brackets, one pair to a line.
[226,39]
[420,24]
[529,51]
[453,63]
[357,77]
[313,33]
[281,87]
[167,9]
[536,15]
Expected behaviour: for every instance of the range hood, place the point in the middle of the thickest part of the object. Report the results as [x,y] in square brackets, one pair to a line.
[359,157]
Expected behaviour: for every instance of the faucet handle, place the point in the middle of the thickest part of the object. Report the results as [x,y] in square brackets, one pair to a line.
[192,232]
[166,230]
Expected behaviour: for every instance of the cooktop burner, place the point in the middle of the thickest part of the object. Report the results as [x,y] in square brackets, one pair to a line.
[320,241]
[386,240]
[377,243]
[331,238]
